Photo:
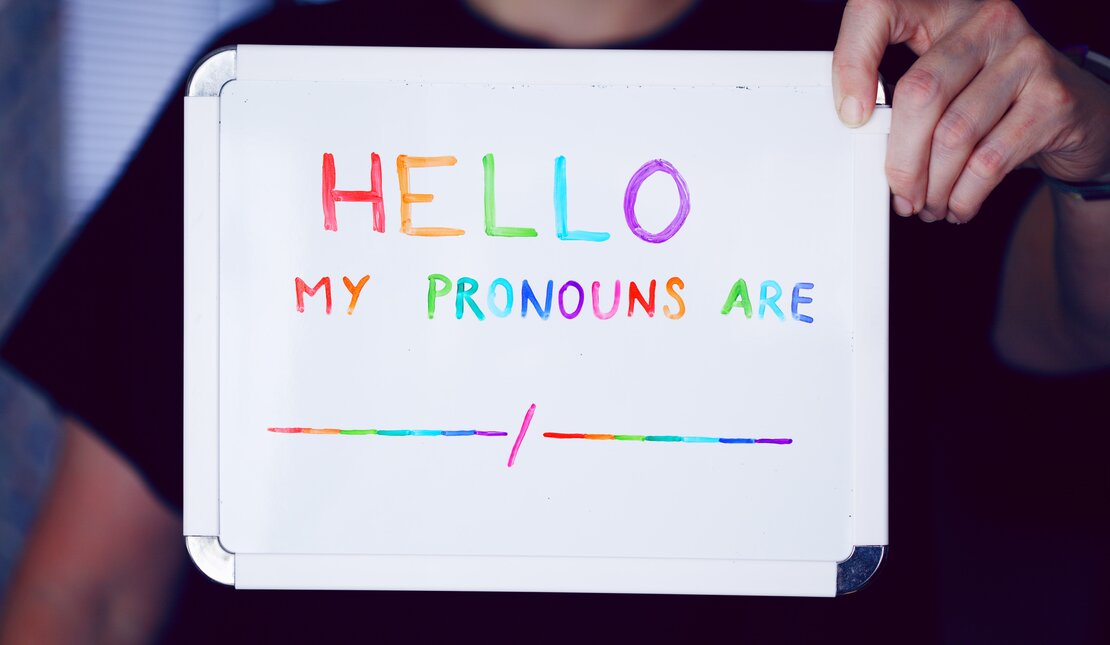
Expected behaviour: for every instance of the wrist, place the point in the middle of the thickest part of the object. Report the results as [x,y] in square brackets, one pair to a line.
[1093,183]
[1080,221]
[1091,61]
[1084,191]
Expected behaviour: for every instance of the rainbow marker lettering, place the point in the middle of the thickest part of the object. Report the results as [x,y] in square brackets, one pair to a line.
[393,433]
[666,438]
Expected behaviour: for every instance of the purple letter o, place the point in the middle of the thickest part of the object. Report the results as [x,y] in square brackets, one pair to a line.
[638,178]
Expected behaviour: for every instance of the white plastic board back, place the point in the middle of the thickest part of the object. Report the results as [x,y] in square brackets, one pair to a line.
[534,320]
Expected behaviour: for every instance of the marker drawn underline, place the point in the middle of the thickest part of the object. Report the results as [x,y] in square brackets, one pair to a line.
[549,435]
[393,433]
[662,438]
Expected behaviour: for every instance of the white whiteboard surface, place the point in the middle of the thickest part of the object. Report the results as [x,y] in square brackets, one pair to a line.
[279,464]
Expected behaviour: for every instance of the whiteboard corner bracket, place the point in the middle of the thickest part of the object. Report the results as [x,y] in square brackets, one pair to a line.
[211,558]
[881,95]
[212,72]
[857,570]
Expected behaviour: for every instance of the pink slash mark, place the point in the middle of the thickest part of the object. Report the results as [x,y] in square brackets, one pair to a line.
[520,435]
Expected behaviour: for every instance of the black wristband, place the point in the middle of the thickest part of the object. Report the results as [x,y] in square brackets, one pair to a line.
[1092,61]
[1088,191]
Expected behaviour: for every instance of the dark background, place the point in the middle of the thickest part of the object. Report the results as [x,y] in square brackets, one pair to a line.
[998,487]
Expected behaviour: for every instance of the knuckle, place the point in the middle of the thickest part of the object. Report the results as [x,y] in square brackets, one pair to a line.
[1059,99]
[955,131]
[988,163]
[1033,52]
[1002,14]
[920,86]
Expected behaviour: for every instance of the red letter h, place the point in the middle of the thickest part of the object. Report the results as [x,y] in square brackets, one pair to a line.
[374,195]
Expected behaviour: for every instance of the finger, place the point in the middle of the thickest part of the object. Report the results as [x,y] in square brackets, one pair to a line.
[1021,133]
[865,31]
[970,116]
[920,97]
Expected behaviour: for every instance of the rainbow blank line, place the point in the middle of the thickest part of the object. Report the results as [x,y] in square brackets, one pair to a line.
[393,433]
[661,437]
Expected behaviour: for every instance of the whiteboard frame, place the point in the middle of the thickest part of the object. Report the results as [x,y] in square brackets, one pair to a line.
[618,575]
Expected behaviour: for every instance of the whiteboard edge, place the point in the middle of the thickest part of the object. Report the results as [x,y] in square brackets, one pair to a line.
[686,68]
[200,342]
[212,72]
[536,574]
[872,275]
[272,62]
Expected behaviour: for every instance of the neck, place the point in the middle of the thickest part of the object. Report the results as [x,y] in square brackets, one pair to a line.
[581,23]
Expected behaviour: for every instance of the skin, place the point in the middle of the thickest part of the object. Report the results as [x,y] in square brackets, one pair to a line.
[100,563]
[1052,308]
[582,23]
[986,95]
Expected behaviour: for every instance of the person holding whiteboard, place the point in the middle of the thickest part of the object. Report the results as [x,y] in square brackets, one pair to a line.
[985,95]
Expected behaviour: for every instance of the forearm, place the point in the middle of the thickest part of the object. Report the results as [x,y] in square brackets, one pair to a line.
[100,562]
[1054,308]
[1082,255]
[36,611]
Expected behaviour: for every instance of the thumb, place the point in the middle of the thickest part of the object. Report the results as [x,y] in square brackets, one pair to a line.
[865,31]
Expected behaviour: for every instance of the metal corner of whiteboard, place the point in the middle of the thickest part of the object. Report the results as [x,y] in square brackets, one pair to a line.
[211,558]
[212,72]
[857,570]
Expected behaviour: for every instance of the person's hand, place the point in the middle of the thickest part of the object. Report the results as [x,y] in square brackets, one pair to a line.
[986,95]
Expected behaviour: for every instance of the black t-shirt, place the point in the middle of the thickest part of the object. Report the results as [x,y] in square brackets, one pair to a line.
[102,337]
[969,439]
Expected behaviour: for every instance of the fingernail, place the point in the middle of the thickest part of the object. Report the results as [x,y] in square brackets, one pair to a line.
[902,206]
[851,111]
[951,218]
[927,217]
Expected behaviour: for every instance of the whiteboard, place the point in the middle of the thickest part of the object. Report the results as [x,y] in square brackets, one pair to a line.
[624,325]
